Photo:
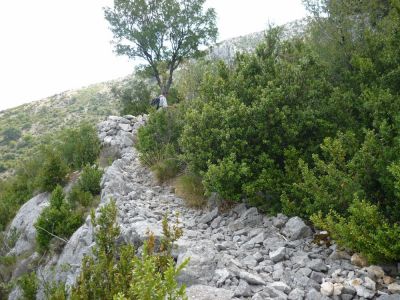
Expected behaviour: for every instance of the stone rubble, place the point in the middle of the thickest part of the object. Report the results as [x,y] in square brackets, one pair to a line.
[236,254]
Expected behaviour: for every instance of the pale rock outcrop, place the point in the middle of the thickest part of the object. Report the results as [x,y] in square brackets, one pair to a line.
[24,222]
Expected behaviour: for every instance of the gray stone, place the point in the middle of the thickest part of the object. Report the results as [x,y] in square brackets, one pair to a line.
[258,239]
[243,289]
[296,229]
[203,292]
[251,278]
[278,255]
[369,283]
[388,297]
[125,127]
[280,286]
[315,295]
[279,221]
[207,218]
[23,224]
[250,261]
[361,290]
[222,275]
[317,265]
[201,267]
[317,276]
[296,294]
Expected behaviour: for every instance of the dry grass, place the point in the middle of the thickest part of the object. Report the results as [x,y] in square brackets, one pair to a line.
[190,188]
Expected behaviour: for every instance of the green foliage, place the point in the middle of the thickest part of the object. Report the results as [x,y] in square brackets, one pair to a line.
[78,196]
[117,273]
[56,221]
[80,145]
[56,291]
[29,284]
[89,181]
[134,96]
[52,172]
[163,33]
[158,142]
[10,134]
[305,124]
[364,230]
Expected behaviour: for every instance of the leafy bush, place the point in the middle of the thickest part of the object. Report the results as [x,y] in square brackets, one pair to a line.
[364,230]
[158,143]
[134,96]
[29,284]
[117,273]
[80,146]
[79,196]
[56,221]
[89,181]
[53,170]
[10,134]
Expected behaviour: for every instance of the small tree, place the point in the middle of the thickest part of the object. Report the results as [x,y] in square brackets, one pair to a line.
[162,32]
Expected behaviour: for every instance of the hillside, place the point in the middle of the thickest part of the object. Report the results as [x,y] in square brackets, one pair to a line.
[23,128]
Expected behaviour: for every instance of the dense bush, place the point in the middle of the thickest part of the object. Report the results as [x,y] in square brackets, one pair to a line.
[56,221]
[304,125]
[117,273]
[86,188]
[364,230]
[89,181]
[78,196]
[29,284]
[53,170]
[80,146]
[134,96]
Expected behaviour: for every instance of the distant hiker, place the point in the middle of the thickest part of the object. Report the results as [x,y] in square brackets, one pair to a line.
[163,101]
[159,101]
[155,102]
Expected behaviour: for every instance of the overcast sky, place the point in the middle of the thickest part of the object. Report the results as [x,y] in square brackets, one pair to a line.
[49,46]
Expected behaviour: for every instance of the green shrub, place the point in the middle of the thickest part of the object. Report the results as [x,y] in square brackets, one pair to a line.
[52,172]
[78,196]
[163,127]
[134,96]
[363,230]
[56,221]
[80,146]
[117,273]
[89,181]
[29,284]
[10,134]
[56,291]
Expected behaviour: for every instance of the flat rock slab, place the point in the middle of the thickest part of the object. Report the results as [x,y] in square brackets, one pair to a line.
[203,292]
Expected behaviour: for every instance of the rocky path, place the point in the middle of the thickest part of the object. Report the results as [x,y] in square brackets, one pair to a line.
[239,254]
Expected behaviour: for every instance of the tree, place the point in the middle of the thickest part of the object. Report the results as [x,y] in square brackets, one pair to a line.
[162,32]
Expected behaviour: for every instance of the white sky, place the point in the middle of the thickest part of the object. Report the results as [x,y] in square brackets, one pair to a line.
[49,46]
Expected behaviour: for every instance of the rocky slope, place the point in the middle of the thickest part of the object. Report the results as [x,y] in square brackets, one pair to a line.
[235,254]
[24,127]
[226,50]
